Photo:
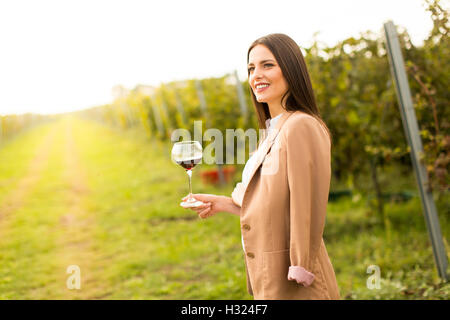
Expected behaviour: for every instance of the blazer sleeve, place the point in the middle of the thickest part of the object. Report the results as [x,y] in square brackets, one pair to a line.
[308,152]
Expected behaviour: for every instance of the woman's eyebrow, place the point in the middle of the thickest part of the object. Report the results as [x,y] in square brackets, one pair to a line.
[261,62]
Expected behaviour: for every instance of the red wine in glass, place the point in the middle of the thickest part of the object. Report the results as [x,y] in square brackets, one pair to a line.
[188,154]
[189,164]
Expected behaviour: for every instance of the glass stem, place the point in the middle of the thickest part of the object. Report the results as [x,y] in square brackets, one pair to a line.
[189,173]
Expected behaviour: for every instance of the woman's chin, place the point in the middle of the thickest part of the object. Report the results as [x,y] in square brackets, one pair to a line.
[260,99]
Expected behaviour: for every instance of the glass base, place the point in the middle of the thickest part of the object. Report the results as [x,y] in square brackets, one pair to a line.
[191,204]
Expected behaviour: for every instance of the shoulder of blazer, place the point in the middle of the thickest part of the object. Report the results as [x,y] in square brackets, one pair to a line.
[299,118]
[297,115]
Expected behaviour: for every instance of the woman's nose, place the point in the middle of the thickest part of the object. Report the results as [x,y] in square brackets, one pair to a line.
[257,74]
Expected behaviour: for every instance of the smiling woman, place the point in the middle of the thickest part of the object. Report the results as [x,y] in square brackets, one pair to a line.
[266,79]
[283,195]
[290,72]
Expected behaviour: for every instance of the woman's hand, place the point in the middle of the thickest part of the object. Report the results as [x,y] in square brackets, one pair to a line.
[213,204]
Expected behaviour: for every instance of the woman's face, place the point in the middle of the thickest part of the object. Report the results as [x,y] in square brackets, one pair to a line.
[265,76]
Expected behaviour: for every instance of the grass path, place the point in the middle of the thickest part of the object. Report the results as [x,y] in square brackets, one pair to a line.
[83,202]
[77,223]
[15,196]
[74,192]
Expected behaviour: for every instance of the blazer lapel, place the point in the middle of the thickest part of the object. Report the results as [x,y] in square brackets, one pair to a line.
[272,134]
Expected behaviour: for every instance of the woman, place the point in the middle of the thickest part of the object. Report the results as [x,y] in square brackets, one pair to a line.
[283,195]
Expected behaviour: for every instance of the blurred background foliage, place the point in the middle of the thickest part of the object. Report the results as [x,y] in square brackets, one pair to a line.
[356,97]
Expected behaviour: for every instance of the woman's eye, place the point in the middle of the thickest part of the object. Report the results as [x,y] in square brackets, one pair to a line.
[250,69]
[268,65]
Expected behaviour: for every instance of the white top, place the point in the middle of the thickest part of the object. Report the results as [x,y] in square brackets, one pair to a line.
[270,124]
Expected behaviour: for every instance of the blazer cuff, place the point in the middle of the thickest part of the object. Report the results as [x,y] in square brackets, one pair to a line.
[301,275]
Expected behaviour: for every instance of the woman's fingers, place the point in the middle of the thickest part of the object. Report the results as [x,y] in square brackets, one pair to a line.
[204,213]
[203,210]
[202,207]
[201,196]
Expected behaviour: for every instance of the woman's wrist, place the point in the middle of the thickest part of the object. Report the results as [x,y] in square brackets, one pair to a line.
[230,206]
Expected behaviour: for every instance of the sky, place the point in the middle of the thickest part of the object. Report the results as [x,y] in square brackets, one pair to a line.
[60,56]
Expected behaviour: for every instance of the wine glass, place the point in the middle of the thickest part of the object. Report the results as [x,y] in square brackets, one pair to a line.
[188,154]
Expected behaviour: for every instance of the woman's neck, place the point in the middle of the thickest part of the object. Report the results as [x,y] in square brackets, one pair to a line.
[275,109]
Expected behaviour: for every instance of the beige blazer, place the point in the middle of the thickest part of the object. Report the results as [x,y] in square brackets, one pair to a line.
[283,210]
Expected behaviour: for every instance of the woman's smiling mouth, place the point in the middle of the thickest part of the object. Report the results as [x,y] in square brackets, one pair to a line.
[260,87]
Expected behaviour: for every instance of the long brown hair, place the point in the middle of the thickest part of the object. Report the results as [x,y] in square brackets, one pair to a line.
[300,94]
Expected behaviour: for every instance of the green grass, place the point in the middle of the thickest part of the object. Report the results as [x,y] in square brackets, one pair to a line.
[15,154]
[114,212]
